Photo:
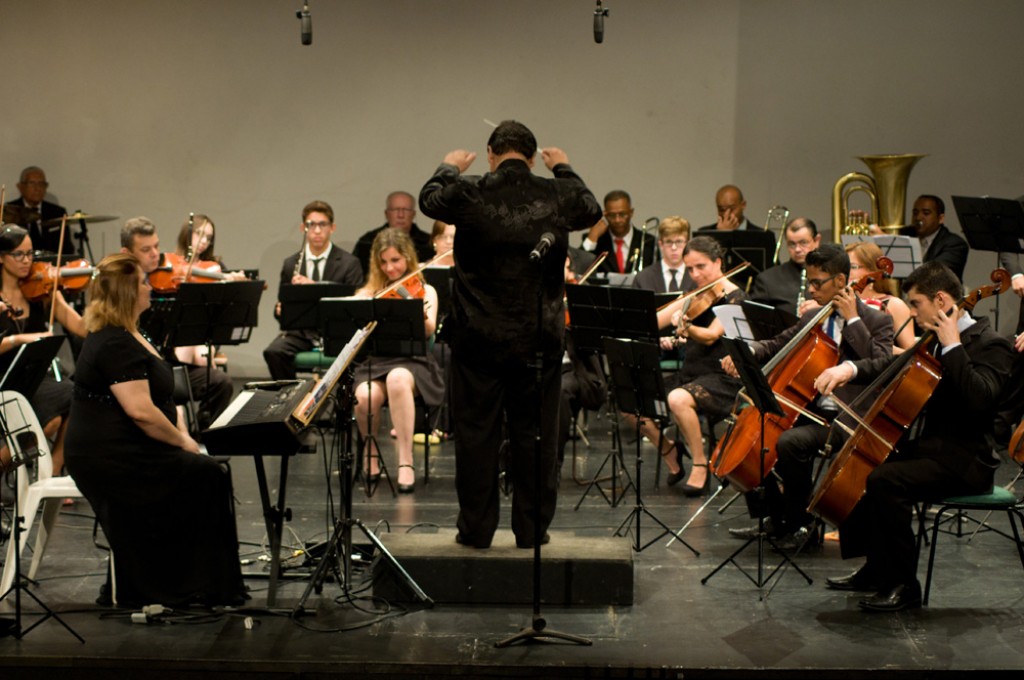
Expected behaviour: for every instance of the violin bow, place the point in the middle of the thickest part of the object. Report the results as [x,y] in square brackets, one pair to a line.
[56,270]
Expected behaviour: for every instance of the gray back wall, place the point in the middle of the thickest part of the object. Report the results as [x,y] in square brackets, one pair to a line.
[162,108]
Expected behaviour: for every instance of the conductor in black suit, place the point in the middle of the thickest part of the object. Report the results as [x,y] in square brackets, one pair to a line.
[321,261]
[730,204]
[33,186]
[627,246]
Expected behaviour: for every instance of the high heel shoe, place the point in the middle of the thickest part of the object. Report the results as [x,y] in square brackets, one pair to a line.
[407,488]
[674,478]
[691,491]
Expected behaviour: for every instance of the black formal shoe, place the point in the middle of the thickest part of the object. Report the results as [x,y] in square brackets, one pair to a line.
[858,580]
[691,491]
[747,533]
[805,539]
[407,488]
[479,546]
[897,598]
[544,540]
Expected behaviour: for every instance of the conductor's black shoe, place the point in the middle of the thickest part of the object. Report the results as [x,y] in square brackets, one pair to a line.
[544,540]
[897,598]
[858,580]
[462,541]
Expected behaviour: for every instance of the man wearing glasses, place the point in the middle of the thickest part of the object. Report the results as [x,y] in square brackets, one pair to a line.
[616,235]
[400,211]
[321,261]
[33,186]
[784,286]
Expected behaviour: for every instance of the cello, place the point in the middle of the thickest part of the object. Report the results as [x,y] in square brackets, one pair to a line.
[908,385]
[791,373]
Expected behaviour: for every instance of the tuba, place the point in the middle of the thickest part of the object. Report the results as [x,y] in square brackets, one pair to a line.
[887,190]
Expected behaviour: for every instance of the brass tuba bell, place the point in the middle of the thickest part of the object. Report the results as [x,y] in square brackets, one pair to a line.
[887,190]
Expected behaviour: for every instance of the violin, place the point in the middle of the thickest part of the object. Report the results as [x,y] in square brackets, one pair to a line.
[685,301]
[906,388]
[43,276]
[410,286]
[791,374]
[175,270]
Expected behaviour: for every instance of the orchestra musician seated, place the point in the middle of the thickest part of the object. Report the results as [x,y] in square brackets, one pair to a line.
[669,276]
[860,332]
[784,285]
[442,238]
[882,294]
[949,454]
[396,381]
[164,507]
[700,386]
[27,320]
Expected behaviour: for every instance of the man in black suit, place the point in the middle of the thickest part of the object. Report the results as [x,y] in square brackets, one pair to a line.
[627,246]
[493,327]
[33,186]
[938,243]
[952,454]
[400,212]
[730,204]
[860,332]
[321,261]
[785,284]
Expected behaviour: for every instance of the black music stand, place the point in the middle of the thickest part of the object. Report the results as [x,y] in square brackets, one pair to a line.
[755,247]
[992,224]
[399,333]
[763,398]
[636,373]
[300,303]
[766,321]
[603,311]
[25,369]
[441,279]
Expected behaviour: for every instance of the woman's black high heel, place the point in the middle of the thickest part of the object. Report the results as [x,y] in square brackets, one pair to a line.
[691,491]
[674,478]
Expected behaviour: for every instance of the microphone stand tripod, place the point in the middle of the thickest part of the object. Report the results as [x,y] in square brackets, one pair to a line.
[538,629]
[9,626]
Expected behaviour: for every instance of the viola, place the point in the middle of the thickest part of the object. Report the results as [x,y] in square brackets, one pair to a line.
[791,374]
[42,278]
[908,387]
[175,270]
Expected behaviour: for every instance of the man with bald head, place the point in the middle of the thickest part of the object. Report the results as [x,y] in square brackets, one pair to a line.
[400,213]
[730,204]
[33,185]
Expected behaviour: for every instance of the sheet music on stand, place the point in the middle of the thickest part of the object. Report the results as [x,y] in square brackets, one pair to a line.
[311,404]
[904,251]
[734,320]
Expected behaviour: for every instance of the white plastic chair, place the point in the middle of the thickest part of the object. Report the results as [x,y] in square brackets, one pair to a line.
[47,490]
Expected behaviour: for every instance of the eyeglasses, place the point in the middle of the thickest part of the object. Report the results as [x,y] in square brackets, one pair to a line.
[317,226]
[21,255]
[818,283]
[617,215]
[793,245]
[36,183]
[674,243]
[401,210]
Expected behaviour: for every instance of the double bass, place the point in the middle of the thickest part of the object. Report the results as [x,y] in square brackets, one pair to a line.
[908,385]
[791,374]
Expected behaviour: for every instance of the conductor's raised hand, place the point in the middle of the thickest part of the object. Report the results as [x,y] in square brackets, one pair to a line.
[552,156]
[460,158]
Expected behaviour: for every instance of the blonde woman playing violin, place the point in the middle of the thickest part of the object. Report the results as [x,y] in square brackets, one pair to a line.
[396,381]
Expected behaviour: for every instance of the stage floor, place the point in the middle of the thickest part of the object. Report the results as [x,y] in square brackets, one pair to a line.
[676,626]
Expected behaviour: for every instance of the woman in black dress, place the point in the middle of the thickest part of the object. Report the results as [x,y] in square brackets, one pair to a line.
[25,321]
[397,380]
[165,508]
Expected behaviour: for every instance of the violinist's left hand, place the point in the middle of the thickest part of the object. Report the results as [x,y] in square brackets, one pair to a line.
[845,302]
[944,326]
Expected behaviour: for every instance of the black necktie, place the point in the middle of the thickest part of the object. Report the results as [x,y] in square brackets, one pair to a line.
[316,268]
[673,286]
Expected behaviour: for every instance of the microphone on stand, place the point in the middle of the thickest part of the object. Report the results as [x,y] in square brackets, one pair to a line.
[599,14]
[306,20]
[543,245]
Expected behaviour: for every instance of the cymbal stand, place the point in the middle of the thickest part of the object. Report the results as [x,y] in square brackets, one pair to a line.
[337,558]
[14,627]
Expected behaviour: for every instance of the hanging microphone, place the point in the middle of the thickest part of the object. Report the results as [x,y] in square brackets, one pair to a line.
[543,245]
[306,20]
[599,14]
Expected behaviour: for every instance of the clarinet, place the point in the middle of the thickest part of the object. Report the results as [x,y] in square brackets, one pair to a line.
[300,260]
[802,295]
